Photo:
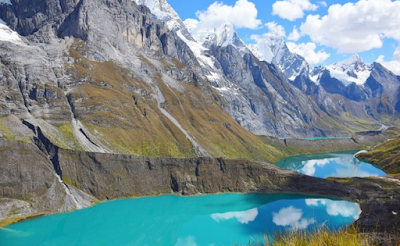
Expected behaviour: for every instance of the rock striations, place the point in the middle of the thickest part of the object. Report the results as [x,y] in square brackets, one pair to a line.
[90,87]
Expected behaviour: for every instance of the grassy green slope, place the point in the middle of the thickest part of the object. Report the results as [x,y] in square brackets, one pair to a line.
[386,155]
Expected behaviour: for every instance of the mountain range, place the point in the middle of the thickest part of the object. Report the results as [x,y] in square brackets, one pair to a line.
[131,77]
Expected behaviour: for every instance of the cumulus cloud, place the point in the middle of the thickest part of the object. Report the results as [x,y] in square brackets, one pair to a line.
[355,27]
[307,50]
[292,9]
[243,14]
[275,30]
[188,241]
[393,66]
[323,3]
[336,208]
[294,35]
[242,217]
[291,217]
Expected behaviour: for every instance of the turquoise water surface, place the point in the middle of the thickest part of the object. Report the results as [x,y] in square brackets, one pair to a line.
[225,219]
[340,164]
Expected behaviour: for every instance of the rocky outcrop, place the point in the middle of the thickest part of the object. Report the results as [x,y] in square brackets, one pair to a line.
[113,176]
[29,184]
[106,76]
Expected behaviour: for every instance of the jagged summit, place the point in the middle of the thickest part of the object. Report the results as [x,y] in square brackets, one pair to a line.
[352,70]
[162,10]
[273,49]
[221,35]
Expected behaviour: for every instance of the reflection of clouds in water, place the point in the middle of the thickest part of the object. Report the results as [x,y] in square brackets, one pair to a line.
[351,167]
[243,217]
[187,241]
[309,166]
[336,208]
[292,217]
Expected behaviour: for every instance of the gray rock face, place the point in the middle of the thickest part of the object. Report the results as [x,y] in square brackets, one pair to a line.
[274,50]
[255,94]
[27,17]
[114,176]
[283,109]
[29,184]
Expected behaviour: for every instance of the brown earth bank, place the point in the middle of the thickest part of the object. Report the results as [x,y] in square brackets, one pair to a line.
[42,178]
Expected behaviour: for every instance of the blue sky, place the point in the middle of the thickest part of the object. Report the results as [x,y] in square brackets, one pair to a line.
[365,40]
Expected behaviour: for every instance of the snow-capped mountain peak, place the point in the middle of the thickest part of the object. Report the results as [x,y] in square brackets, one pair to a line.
[210,35]
[352,70]
[269,48]
[273,49]
[162,10]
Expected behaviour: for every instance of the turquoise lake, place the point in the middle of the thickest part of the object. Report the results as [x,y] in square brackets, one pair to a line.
[340,164]
[225,219]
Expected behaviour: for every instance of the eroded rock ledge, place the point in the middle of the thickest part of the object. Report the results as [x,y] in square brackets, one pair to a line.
[45,179]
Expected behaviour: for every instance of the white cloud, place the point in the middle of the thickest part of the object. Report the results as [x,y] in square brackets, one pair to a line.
[393,66]
[355,27]
[336,208]
[292,9]
[188,241]
[323,3]
[242,217]
[242,15]
[291,217]
[396,54]
[307,50]
[294,35]
[275,30]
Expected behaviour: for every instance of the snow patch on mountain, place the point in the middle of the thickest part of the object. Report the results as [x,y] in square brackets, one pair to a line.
[198,50]
[210,35]
[273,49]
[352,70]
[269,48]
[163,11]
[5,2]
[8,35]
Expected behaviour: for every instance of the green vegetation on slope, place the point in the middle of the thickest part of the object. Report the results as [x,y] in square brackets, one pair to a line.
[123,110]
[386,155]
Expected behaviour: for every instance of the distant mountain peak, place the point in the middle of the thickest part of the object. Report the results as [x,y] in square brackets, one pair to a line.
[351,70]
[222,35]
[273,49]
[162,10]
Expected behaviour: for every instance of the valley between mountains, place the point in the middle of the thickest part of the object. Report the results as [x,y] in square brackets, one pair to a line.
[109,99]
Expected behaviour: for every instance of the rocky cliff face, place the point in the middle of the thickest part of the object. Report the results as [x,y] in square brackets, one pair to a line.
[42,178]
[29,184]
[82,68]
[108,77]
